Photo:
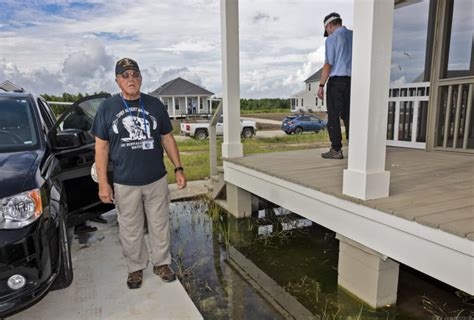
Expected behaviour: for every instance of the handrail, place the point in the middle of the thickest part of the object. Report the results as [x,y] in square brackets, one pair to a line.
[212,140]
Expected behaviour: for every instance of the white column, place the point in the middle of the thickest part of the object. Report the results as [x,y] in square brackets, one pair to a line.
[198,108]
[232,146]
[365,177]
[368,274]
[186,104]
[174,109]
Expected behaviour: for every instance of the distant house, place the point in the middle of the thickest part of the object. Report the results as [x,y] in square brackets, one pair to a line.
[307,100]
[9,86]
[182,97]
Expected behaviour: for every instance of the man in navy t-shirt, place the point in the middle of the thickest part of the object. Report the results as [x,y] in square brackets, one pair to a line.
[131,131]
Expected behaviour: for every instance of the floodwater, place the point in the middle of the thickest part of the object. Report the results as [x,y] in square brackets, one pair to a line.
[278,265]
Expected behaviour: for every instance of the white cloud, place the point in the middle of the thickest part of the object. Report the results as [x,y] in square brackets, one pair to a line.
[76,44]
[191,45]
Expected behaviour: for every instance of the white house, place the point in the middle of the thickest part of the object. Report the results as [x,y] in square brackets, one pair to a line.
[9,86]
[183,97]
[307,99]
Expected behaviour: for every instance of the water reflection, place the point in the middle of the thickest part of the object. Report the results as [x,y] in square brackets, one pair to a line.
[278,265]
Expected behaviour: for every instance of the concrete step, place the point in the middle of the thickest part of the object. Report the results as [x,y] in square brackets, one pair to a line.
[222,203]
[209,186]
[217,183]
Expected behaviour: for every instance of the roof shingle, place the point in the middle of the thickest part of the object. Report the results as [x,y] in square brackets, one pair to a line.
[180,87]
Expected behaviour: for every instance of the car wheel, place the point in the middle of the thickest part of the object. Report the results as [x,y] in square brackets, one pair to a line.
[247,133]
[288,132]
[317,131]
[298,130]
[200,135]
[65,272]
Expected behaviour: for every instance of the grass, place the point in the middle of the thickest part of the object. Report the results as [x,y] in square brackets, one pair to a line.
[195,154]
[276,110]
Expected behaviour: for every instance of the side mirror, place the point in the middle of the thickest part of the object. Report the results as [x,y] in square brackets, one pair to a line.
[69,138]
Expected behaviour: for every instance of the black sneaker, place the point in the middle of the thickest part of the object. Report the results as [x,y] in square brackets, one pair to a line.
[333,154]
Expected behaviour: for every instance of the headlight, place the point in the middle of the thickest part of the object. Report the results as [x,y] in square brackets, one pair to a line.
[20,210]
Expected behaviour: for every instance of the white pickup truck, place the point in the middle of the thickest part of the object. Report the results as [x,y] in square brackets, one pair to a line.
[199,128]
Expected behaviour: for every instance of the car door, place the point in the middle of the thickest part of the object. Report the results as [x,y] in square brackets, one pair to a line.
[315,124]
[74,161]
[304,123]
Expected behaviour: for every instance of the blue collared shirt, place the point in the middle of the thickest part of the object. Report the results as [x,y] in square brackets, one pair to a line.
[339,52]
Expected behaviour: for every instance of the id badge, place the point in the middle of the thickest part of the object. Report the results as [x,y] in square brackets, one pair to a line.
[148,144]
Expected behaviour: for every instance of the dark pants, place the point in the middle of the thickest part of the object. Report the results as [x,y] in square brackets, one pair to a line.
[338,103]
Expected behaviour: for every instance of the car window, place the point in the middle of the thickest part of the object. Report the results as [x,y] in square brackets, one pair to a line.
[314,119]
[81,116]
[18,130]
[47,115]
[304,118]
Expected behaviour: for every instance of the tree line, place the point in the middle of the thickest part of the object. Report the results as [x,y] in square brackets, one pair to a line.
[245,104]
[264,104]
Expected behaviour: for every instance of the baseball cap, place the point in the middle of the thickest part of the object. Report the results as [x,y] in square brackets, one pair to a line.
[330,18]
[126,64]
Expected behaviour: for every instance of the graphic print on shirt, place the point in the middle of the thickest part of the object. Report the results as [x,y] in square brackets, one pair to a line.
[136,128]
[132,129]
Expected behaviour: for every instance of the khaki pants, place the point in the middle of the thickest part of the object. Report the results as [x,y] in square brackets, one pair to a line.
[132,203]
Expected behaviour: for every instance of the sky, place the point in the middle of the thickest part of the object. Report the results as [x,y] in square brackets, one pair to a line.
[71,46]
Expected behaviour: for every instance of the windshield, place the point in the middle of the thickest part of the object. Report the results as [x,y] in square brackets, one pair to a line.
[17,125]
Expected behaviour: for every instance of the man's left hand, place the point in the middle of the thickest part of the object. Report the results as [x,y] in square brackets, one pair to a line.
[321,93]
[180,179]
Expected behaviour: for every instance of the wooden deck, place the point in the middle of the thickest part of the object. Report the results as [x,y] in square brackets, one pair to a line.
[431,188]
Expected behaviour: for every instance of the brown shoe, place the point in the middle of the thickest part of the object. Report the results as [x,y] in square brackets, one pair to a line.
[333,154]
[134,279]
[165,272]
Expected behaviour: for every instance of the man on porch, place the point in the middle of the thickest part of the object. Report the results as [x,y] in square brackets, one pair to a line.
[337,67]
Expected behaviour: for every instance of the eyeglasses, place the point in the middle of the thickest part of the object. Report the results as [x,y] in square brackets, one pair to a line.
[130,73]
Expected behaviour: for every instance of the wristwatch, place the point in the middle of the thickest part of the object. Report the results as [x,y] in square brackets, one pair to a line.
[321,85]
[178,169]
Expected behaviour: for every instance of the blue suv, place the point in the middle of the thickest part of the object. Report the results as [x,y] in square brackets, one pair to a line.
[300,123]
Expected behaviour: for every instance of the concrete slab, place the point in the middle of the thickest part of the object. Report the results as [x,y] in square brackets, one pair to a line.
[99,289]
[193,189]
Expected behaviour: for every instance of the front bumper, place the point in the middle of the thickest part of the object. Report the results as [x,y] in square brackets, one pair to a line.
[26,252]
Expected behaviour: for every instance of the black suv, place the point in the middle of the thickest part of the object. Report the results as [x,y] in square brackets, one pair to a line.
[45,188]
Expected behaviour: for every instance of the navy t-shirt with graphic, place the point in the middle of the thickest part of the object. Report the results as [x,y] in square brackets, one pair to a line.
[127,132]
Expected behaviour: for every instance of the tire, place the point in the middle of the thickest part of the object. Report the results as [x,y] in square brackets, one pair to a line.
[298,130]
[65,271]
[288,132]
[317,131]
[247,133]
[200,134]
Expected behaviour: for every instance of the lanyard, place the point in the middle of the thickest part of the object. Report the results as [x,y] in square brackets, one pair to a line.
[130,112]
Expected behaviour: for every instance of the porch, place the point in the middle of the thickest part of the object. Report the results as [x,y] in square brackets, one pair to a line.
[427,222]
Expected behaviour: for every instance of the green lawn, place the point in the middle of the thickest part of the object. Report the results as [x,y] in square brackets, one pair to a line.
[195,154]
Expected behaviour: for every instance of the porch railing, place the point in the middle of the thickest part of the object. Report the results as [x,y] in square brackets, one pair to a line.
[212,140]
[454,128]
[408,115]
